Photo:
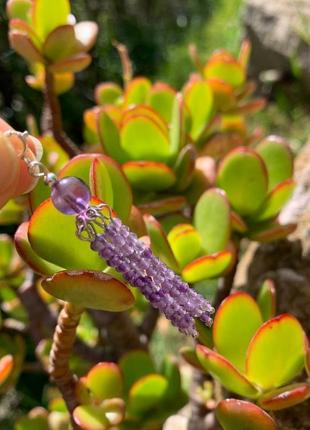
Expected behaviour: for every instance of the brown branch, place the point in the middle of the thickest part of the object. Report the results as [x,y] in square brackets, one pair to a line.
[125,61]
[63,340]
[55,120]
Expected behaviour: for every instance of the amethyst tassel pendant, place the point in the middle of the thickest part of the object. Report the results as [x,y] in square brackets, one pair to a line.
[123,251]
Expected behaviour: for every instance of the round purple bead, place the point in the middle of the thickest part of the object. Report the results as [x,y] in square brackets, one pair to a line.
[70,195]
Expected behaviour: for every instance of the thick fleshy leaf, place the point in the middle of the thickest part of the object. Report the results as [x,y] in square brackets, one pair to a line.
[285,397]
[73,64]
[81,165]
[242,174]
[245,52]
[162,99]
[23,45]
[6,253]
[223,66]
[184,167]
[107,93]
[149,175]
[48,15]
[60,246]
[185,243]
[237,223]
[60,43]
[24,27]
[86,34]
[178,125]
[91,417]
[146,393]
[189,355]
[230,377]
[62,81]
[170,370]
[199,99]
[223,93]
[109,137]
[100,182]
[163,206]
[143,139]
[268,232]
[137,91]
[205,336]
[241,415]
[229,325]
[212,220]
[136,222]
[275,201]
[105,381]
[159,242]
[32,422]
[19,9]
[135,365]
[23,247]
[6,367]
[207,266]
[278,159]
[307,359]
[266,299]
[11,212]
[279,346]
[90,289]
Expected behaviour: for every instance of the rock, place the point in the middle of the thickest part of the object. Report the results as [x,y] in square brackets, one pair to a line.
[278,31]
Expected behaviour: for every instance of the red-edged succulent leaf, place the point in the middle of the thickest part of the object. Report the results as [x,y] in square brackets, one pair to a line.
[205,336]
[91,417]
[285,397]
[136,222]
[184,167]
[229,325]
[270,231]
[266,299]
[237,223]
[6,367]
[135,365]
[212,220]
[109,137]
[275,201]
[251,107]
[90,289]
[179,125]
[149,175]
[137,91]
[185,243]
[230,377]
[276,352]
[189,355]
[46,15]
[162,99]
[23,45]
[224,96]
[105,381]
[60,43]
[159,242]
[207,266]
[86,34]
[241,415]
[73,64]
[163,206]
[24,249]
[244,53]
[19,9]
[198,97]
[107,93]
[60,245]
[242,174]
[146,393]
[224,66]
[278,159]
[24,27]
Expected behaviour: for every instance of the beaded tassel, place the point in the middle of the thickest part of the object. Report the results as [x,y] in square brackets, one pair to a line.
[123,251]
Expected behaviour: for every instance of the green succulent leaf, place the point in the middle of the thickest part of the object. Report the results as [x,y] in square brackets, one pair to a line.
[146,393]
[237,223]
[185,243]
[184,167]
[205,336]
[243,176]
[135,365]
[107,93]
[270,231]
[285,397]
[149,175]
[91,417]
[189,355]
[207,266]
[199,100]
[137,91]
[73,64]
[36,422]
[212,220]
[278,159]
[276,353]
[159,242]
[23,45]
[60,43]
[222,369]
[105,381]
[46,15]
[224,67]
[229,325]
[110,138]
[173,393]
[23,247]
[164,206]
[241,415]
[19,9]
[266,299]
[162,99]
[90,289]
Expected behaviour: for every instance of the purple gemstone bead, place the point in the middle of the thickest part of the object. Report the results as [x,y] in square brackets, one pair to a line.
[70,195]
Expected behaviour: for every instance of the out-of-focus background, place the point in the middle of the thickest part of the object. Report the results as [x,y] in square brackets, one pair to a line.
[157,34]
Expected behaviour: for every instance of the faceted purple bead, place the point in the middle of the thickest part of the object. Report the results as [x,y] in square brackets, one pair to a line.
[70,195]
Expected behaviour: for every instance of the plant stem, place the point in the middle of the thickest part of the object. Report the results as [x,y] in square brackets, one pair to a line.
[55,116]
[63,340]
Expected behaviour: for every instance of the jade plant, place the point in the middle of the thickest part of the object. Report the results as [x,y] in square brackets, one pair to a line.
[176,185]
